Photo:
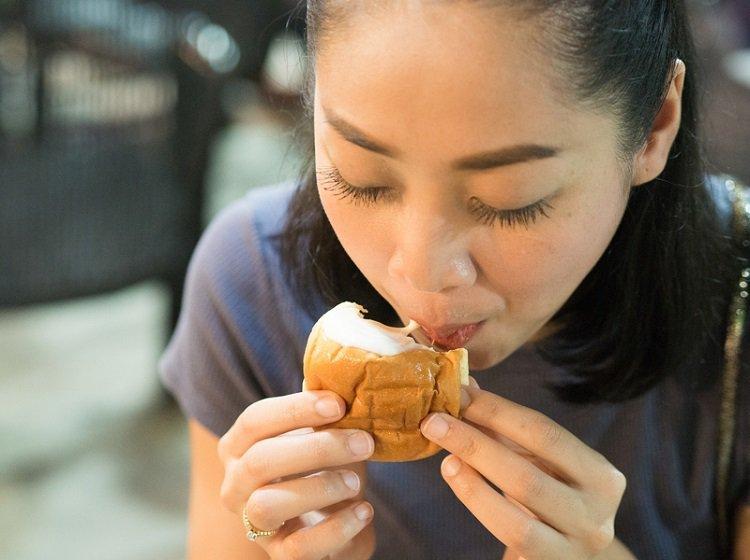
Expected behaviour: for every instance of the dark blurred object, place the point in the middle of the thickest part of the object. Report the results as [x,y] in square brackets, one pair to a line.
[722,32]
[107,112]
[254,24]
[741,10]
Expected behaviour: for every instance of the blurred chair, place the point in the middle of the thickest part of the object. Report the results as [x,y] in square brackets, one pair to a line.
[107,112]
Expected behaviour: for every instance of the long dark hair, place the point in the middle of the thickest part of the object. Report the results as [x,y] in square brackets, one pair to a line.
[655,301]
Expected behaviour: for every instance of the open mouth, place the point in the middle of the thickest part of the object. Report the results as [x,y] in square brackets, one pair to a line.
[456,339]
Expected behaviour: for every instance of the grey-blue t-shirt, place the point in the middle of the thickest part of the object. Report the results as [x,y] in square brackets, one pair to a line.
[241,337]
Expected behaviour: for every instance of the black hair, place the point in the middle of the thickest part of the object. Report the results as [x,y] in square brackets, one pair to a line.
[656,299]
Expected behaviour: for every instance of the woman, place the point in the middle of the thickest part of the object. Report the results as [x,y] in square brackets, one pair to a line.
[530,168]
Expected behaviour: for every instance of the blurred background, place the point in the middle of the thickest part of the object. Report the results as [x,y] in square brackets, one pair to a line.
[125,126]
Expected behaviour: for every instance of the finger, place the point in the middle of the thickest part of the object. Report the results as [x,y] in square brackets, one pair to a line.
[276,415]
[278,457]
[517,530]
[298,431]
[542,436]
[553,501]
[271,505]
[361,547]
[521,451]
[465,400]
[328,536]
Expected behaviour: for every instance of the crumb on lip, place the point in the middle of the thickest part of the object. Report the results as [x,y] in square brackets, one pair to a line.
[428,340]
[418,334]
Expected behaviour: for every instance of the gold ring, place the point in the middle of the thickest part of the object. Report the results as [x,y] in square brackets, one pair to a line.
[253,532]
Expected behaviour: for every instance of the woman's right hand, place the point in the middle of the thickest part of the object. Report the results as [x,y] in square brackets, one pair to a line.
[267,473]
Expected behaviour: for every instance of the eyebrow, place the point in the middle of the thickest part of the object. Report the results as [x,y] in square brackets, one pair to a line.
[477,162]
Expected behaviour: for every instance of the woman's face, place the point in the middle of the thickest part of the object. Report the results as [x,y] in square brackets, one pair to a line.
[405,102]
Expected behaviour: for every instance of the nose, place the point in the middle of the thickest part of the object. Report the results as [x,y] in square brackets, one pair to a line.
[431,255]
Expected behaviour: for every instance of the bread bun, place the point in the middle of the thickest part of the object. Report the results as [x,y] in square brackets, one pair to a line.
[387,395]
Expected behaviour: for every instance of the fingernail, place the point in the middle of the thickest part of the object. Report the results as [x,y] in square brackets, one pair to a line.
[360,443]
[473,382]
[436,426]
[451,465]
[363,511]
[465,398]
[351,480]
[327,407]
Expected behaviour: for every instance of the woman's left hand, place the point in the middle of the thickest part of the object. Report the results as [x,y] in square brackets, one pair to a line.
[559,497]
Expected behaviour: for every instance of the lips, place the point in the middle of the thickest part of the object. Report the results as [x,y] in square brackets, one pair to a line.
[451,337]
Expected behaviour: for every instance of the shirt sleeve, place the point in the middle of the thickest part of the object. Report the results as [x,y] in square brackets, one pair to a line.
[208,365]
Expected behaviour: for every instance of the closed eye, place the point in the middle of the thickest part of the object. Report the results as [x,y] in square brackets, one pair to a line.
[334,183]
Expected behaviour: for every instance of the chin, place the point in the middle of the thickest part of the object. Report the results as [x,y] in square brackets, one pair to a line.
[483,359]
[479,363]
[486,358]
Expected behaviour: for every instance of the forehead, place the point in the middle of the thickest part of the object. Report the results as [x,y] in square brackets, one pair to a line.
[447,80]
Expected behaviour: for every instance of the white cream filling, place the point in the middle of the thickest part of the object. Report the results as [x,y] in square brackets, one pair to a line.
[346,325]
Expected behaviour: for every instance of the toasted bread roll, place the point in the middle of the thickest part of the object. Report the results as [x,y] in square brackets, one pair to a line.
[387,395]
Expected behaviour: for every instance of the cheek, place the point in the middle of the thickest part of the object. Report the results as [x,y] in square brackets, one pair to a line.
[538,270]
[364,240]
[362,236]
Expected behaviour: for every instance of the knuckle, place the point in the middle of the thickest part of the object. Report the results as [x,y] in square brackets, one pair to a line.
[579,514]
[618,482]
[319,447]
[244,425]
[600,537]
[467,447]
[255,464]
[547,432]
[222,448]
[227,491]
[295,547]
[530,484]
[330,484]
[246,420]
[299,413]
[260,509]
[493,408]
[524,537]
[465,488]
[611,482]
[226,496]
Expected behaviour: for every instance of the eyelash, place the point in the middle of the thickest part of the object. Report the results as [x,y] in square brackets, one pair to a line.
[488,215]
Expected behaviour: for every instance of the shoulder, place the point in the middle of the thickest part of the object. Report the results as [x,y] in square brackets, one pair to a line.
[267,206]
[238,257]
[240,335]
[249,222]
[237,249]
